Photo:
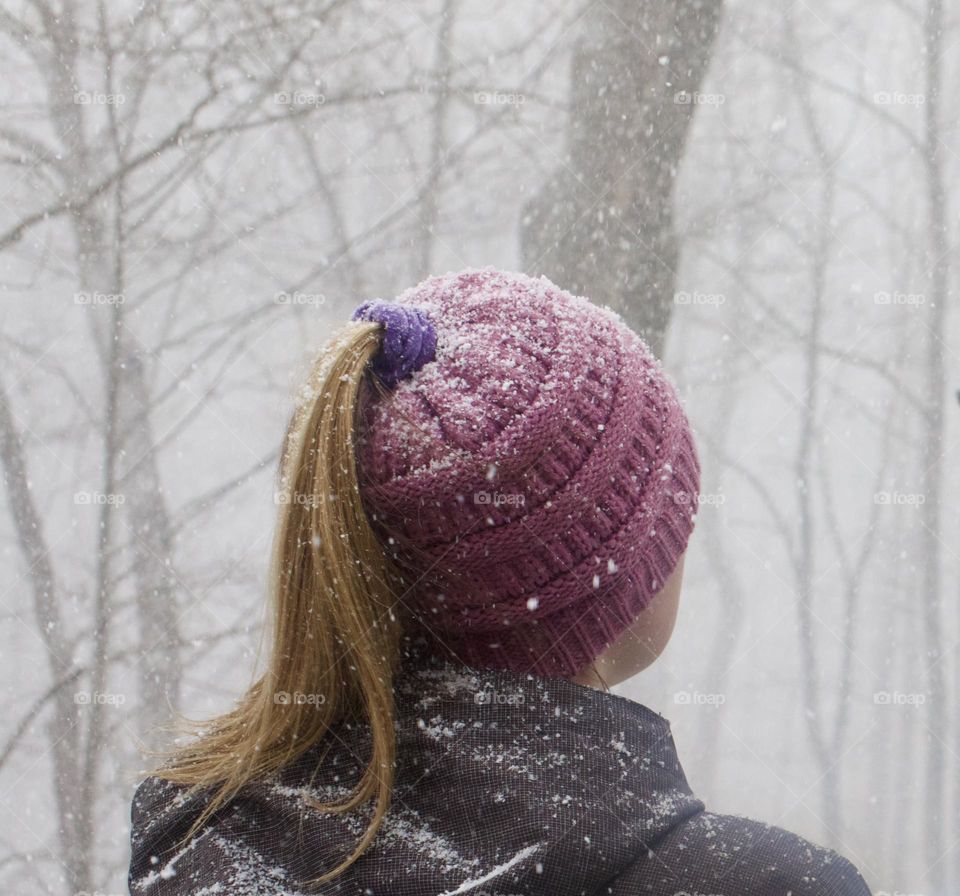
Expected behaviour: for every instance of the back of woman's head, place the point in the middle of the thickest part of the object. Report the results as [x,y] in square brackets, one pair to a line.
[488,465]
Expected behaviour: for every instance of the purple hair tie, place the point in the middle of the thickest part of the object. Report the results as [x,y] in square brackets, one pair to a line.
[410,340]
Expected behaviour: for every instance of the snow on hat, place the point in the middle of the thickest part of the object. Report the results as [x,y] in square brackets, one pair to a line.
[534,472]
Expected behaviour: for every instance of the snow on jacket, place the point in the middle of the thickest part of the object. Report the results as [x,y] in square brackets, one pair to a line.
[506,784]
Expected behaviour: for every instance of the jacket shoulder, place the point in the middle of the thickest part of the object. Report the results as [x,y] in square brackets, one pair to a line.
[155,804]
[725,854]
[161,814]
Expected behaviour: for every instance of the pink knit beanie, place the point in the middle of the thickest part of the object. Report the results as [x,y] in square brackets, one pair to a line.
[536,476]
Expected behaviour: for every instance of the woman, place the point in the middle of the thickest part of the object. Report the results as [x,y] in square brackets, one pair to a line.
[487,490]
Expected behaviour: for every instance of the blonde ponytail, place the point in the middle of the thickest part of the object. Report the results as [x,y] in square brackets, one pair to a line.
[336,634]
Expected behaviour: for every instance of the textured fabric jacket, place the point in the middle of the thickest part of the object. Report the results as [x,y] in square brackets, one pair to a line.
[506,784]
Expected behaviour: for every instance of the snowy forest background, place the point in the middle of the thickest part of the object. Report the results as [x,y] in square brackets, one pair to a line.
[194,193]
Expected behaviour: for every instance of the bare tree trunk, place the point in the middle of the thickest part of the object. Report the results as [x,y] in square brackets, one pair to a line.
[159,663]
[429,212]
[151,539]
[99,230]
[728,584]
[931,482]
[826,738]
[63,726]
[602,225]
[94,747]
[804,468]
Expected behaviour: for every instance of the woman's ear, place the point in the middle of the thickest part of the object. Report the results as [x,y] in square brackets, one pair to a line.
[640,644]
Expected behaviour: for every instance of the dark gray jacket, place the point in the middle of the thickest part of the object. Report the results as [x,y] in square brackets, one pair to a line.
[506,784]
